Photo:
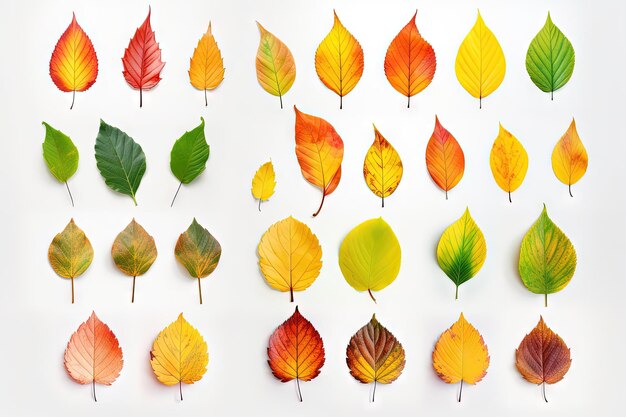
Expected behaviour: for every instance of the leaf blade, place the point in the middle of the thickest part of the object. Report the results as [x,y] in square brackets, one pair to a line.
[275,66]
[206,66]
[134,250]
[264,182]
[70,253]
[445,159]
[382,168]
[190,154]
[569,157]
[60,154]
[508,161]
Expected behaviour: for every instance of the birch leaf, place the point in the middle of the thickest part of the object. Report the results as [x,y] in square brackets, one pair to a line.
[382,168]
[60,155]
[264,182]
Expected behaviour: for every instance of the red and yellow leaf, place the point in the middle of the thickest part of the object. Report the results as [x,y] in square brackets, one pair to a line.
[444,158]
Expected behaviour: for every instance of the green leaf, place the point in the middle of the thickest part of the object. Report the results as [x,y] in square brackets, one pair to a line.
[550,58]
[60,154]
[547,259]
[189,155]
[369,256]
[462,250]
[120,159]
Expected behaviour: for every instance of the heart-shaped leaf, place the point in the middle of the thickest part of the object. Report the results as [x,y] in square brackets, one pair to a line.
[60,155]
[189,156]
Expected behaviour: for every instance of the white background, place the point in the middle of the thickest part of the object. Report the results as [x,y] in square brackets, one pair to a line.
[245,127]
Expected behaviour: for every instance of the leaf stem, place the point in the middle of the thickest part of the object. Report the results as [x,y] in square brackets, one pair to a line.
[456,294]
[374,391]
[546,299]
[72,279]
[446,194]
[180,389]
[551,99]
[480,102]
[259,204]
[408,103]
[177,190]
[291,293]
[510,201]
[132,300]
[543,390]
[321,204]
[200,290]
[206,102]
[140,97]
[371,295]
[72,198]
[93,389]
[73,97]
[340,102]
[569,187]
[460,392]
[280,96]
[299,392]
[383,201]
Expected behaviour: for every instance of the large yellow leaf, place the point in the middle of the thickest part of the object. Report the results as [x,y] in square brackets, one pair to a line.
[290,256]
[339,60]
[179,354]
[264,182]
[569,158]
[275,66]
[480,64]
[206,67]
[461,355]
[382,168]
[509,161]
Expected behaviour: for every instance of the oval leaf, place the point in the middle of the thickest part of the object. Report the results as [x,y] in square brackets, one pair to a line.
[290,256]
[296,351]
[382,168]
[339,60]
[509,161]
[70,253]
[198,251]
[369,256]
[569,158]
[480,65]
[264,182]
[93,354]
[206,67]
[189,155]
[550,58]
[319,150]
[410,62]
[74,64]
[179,354]
[142,59]
[275,67]
[120,160]
[462,250]
[444,158]
[375,355]
[461,355]
[60,155]
[547,259]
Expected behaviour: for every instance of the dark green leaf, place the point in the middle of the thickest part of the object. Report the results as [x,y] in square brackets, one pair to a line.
[190,154]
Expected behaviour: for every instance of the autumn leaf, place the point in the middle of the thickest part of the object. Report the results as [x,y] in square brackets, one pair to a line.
[179,355]
[120,160]
[290,256]
[369,256]
[142,59]
[93,354]
[550,58]
[296,351]
[444,158]
[480,65]
[509,161]
[461,355]
[547,259]
[569,158]
[134,252]
[70,253]
[382,168]
[264,182]
[462,250]
[410,62]
[319,150]
[375,355]
[189,156]
[542,357]
[275,66]
[198,251]
[339,60]
[206,67]
[74,64]
[60,155]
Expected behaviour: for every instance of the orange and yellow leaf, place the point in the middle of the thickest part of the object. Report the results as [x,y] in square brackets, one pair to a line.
[509,161]
[275,66]
[206,67]
[444,158]
[569,157]
[382,168]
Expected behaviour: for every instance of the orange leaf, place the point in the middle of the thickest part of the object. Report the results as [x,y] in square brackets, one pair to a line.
[142,59]
[444,158]
[296,351]
[410,62]
[93,354]
[320,151]
[74,64]
[206,67]
[542,357]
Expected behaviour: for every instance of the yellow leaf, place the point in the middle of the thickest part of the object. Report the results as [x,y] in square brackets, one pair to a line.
[509,161]
[339,60]
[179,354]
[264,182]
[382,168]
[275,66]
[480,64]
[206,67]
[290,256]
[569,158]
[460,354]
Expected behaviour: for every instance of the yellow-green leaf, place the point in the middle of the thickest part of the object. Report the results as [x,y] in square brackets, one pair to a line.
[275,66]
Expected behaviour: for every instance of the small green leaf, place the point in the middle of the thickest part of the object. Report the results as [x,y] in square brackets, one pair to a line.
[550,58]
[120,159]
[547,259]
[60,155]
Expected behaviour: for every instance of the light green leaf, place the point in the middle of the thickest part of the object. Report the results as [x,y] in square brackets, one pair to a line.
[120,159]
[60,155]
[550,58]
[369,256]
[547,259]
[189,155]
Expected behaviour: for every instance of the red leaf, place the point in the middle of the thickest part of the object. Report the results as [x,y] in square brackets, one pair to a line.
[142,59]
